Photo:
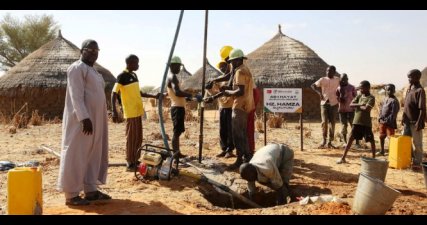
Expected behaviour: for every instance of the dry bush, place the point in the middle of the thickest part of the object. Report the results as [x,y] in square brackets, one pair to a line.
[36,119]
[166,102]
[189,115]
[166,114]
[275,121]
[259,124]
[154,116]
[3,119]
[152,102]
[158,136]
[375,124]
[55,120]
[307,133]
[20,120]
[12,129]
[187,134]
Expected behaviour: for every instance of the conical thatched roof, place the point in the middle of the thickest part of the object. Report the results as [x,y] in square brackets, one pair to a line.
[285,62]
[40,79]
[182,76]
[423,79]
[195,82]
[46,68]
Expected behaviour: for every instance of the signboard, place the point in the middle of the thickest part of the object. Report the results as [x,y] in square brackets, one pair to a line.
[283,100]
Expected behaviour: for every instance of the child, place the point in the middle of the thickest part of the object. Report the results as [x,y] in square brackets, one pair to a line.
[414,114]
[362,124]
[345,93]
[388,114]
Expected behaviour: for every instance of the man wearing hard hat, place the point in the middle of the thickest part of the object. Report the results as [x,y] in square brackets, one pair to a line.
[178,98]
[242,91]
[225,110]
[225,104]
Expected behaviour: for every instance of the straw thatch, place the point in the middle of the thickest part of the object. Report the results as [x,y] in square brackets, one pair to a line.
[182,76]
[283,62]
[423,79]
[195,82]
[40,79]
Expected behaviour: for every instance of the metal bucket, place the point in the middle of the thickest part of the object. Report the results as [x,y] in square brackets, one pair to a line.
[376,168]
[373,197]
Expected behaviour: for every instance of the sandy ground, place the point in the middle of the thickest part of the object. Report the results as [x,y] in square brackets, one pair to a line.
[315,173]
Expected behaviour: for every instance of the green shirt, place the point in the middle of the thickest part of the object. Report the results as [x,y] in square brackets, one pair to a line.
[362,117]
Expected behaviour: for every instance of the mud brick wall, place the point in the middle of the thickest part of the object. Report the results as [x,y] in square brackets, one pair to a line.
[49,102]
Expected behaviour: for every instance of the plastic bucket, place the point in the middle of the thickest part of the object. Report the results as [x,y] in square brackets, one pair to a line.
[373,197]
[376,168]
[424,164]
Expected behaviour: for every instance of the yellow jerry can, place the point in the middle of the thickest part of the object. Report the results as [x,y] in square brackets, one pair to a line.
[24,191]
[399,153]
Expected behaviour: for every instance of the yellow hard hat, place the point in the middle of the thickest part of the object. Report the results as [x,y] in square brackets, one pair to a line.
[225,51]
[176,59]
[236,53]
[220,63]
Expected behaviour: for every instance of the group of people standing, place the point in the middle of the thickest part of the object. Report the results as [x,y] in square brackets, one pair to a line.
[238,97]
[84,155]
[337,95]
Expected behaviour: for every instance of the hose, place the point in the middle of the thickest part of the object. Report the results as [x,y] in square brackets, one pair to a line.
[160,108]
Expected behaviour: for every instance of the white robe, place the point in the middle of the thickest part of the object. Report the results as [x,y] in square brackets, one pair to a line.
[84,158]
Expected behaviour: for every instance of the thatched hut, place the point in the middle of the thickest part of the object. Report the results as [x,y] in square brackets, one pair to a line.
[283,62]
[423,79]
[194,84]
[182,76]
[40,79]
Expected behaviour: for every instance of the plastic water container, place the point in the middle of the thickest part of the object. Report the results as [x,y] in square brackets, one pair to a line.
[399,155]
[24,191]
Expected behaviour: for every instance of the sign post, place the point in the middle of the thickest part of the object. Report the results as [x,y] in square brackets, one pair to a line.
[283,100]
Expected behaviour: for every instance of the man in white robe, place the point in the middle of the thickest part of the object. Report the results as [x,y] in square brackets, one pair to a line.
[84,155]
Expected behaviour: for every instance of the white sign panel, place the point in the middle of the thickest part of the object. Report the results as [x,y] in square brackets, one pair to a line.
[284,100]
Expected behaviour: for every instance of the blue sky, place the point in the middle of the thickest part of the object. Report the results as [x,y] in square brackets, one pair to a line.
[379,46]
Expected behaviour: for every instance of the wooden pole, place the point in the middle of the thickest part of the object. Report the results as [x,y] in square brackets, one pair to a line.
[202,108]
[300,121]
[265,128]
[301,133]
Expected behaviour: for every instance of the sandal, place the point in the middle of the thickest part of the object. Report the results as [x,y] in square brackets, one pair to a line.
[331,146]
[416,168]
[96,195]
[380,154]
[77,201]
[322,146]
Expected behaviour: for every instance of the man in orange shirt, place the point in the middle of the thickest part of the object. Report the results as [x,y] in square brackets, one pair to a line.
[242,91]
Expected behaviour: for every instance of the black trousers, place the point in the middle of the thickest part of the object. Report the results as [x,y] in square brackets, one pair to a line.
[225,132]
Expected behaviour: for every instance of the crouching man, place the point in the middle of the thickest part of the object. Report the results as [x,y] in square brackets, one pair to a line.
[272,166]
